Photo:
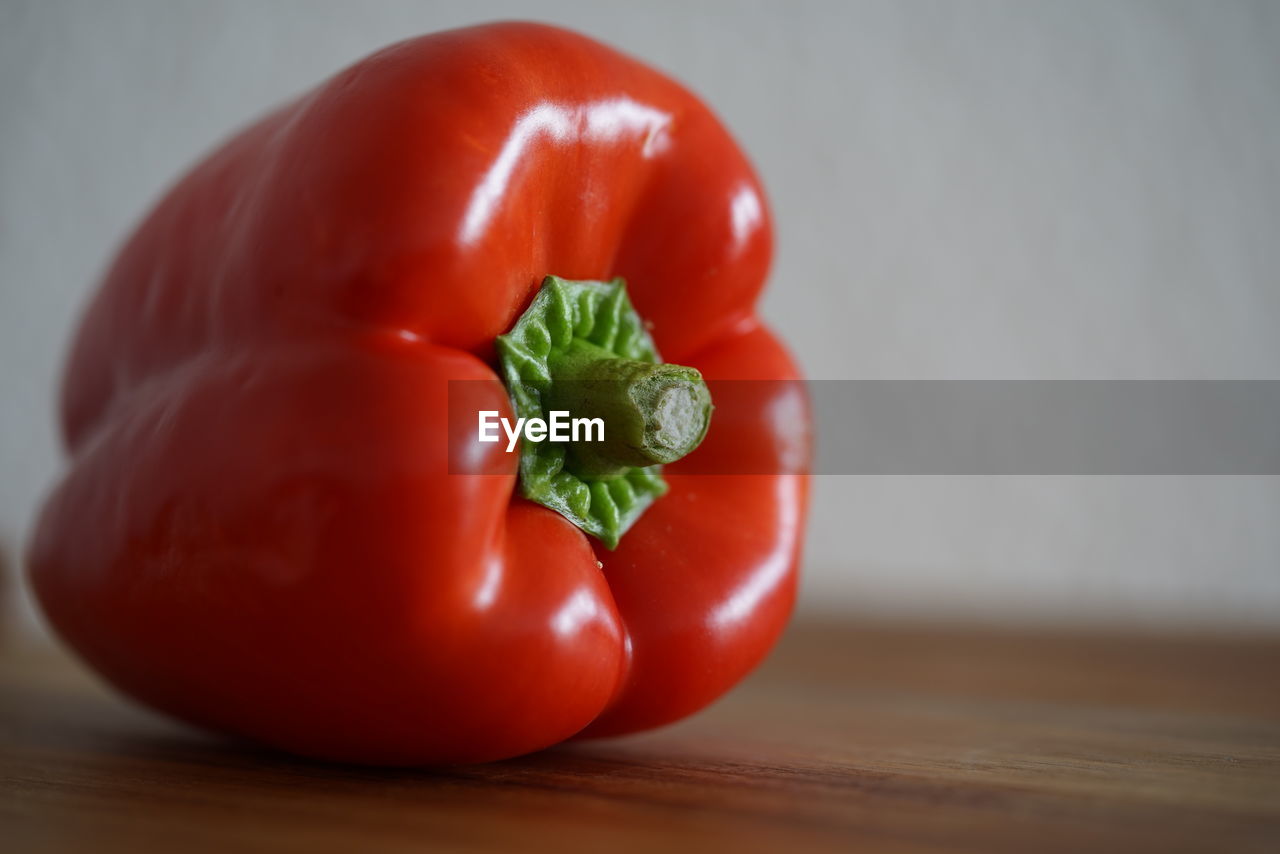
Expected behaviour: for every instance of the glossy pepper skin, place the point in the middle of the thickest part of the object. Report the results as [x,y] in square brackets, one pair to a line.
[258,531]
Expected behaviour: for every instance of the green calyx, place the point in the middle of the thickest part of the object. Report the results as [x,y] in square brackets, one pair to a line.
[581,349]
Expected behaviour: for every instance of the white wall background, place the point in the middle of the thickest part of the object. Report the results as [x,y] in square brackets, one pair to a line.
[964,190]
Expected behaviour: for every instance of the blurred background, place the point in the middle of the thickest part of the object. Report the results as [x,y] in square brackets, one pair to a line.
[963,190]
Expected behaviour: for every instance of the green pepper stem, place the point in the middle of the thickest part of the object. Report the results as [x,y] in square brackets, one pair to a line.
[580,348]
[653,413]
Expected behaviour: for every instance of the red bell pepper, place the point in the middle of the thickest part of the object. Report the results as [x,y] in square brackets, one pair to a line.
[259,530]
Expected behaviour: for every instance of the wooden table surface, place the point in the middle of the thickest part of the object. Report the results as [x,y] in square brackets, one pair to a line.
[849,739]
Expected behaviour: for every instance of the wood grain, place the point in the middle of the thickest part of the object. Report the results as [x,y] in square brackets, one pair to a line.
[849,739]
